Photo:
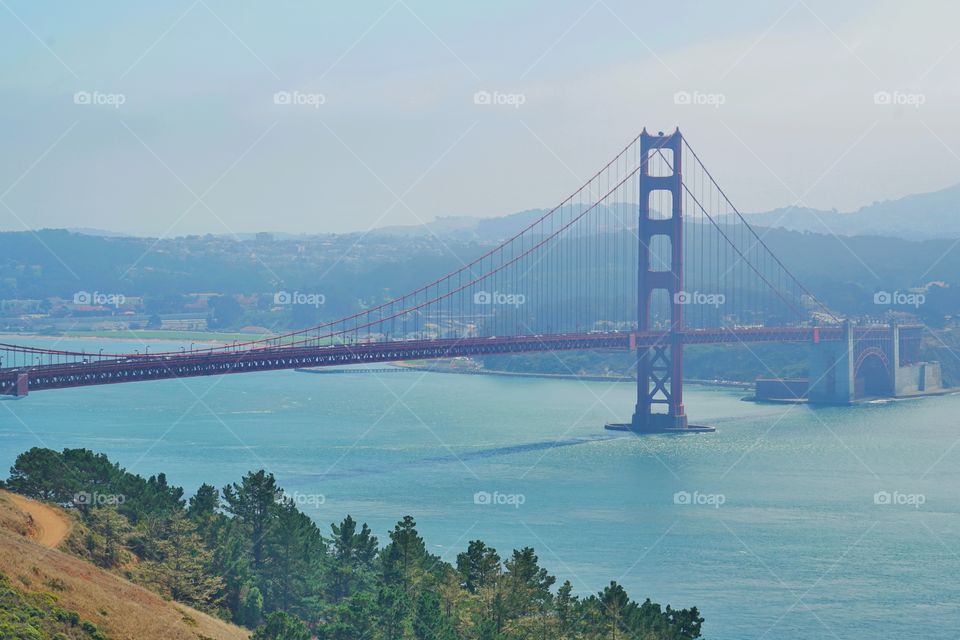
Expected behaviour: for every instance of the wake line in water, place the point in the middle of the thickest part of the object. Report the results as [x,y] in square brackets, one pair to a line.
[433,461]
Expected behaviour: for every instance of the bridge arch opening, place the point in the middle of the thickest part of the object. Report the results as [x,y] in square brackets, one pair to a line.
[872,376]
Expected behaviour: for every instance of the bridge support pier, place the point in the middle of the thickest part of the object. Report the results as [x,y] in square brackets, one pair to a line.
[830,366]
[915,377]
[22,386]
[660,367]
[862,366]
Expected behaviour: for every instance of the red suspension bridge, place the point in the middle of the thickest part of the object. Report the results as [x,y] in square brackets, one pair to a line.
[648,255]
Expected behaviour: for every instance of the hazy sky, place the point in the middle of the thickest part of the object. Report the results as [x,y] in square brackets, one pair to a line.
[388,132]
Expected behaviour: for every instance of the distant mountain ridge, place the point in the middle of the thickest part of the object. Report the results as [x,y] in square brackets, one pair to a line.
[469,227]
[920,216]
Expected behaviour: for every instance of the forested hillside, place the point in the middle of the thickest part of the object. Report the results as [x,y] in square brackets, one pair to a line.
[246,553]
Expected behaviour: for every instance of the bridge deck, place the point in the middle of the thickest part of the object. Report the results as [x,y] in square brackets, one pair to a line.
[135,368]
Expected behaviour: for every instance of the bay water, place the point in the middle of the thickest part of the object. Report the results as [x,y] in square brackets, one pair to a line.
[788,522]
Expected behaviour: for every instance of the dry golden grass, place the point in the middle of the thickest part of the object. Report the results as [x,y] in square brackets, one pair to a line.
[13,519]
[119,608]
[48,525]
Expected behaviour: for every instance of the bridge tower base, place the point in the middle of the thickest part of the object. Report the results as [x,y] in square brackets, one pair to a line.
[839,374]
[22,386]
[831,370]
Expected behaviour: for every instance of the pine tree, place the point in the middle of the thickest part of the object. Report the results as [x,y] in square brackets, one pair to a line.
[204,512]
[615,606]
[204,503]
[405,557]
[281,626]
[526,584]
[110,533]
[183,568]
[565,605]
[353,619]
[253,503]
[232,563]
[393,605]
[250,611]
[478,566]
[297,558]
[429,620]
[41,474]
[353,558]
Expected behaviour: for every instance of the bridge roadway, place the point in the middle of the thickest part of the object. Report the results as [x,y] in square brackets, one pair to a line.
[133,368]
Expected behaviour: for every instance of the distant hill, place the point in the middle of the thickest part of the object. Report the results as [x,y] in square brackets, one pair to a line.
[101,233]
[469,228]
[921,216]
[489,230]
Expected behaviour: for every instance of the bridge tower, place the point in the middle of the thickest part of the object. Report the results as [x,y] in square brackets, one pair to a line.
[660,367]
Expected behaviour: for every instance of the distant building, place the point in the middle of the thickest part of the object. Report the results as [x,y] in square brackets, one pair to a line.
[264,236]
[12,306]
[183,324]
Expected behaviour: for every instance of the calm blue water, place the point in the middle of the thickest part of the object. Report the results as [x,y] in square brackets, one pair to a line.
[797,549]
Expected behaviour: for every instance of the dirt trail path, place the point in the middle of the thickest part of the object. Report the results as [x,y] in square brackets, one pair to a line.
[52,527]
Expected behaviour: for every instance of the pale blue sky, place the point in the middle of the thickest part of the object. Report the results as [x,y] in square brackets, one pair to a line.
[399,139]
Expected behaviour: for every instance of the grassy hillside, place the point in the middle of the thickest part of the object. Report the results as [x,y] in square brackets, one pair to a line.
[40,584]
[31,616]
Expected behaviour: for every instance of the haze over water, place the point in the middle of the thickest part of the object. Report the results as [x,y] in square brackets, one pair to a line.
[781,534]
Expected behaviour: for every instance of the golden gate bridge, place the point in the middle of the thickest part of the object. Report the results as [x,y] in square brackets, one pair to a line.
[649,255]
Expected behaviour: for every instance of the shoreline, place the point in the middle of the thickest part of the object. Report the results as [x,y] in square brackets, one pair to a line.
[562,376]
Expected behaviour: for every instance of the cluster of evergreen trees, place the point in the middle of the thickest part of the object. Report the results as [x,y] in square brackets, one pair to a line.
[248,554]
